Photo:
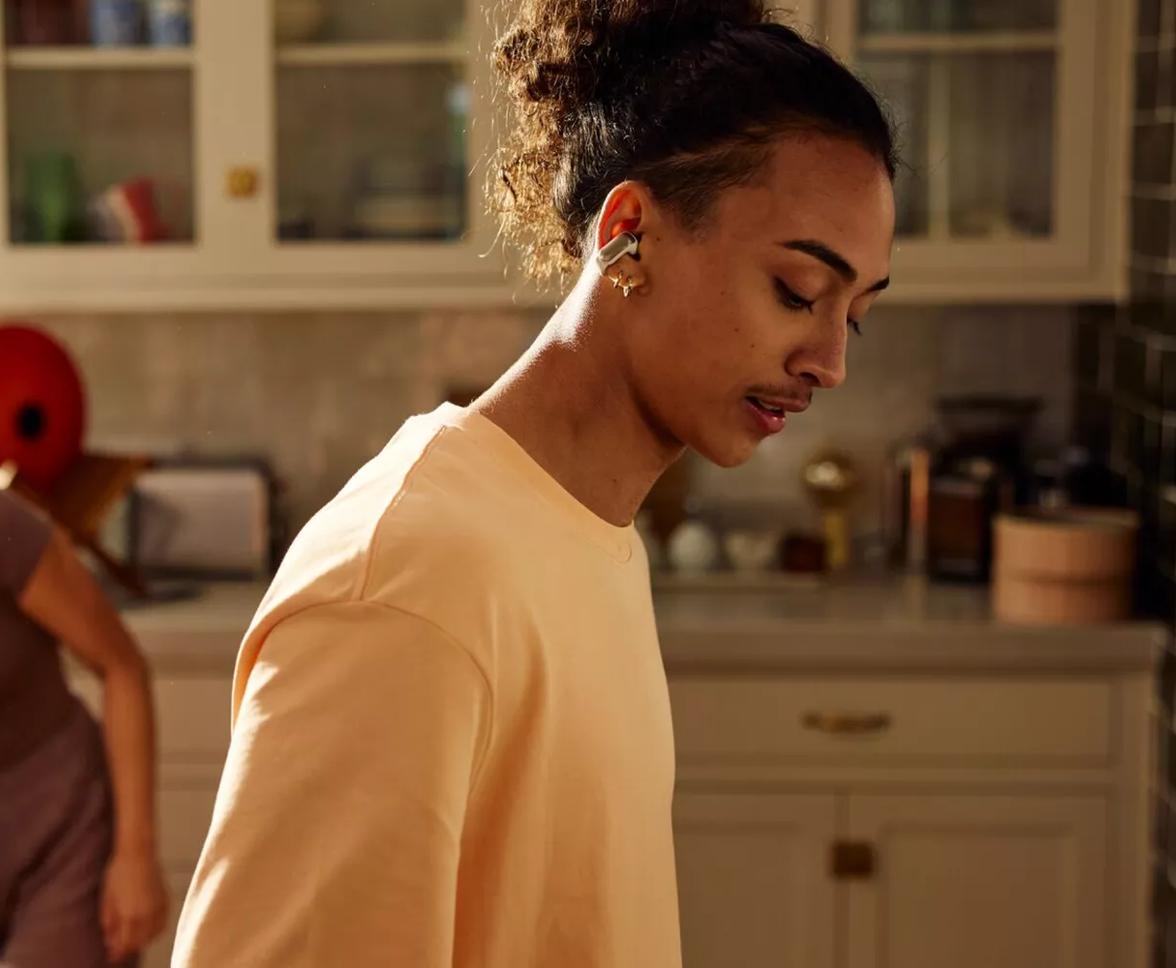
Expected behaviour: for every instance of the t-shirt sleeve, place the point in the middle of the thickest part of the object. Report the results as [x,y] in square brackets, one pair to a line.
[336,833]
[25,531]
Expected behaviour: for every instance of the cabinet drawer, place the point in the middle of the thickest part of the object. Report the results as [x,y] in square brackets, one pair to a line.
[184,818]
[717,717]
[191,713]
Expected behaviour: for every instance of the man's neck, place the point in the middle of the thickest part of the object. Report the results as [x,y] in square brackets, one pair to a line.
[574,414]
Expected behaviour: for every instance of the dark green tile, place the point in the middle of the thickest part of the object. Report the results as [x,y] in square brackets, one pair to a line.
[1147,79]
[1151,161]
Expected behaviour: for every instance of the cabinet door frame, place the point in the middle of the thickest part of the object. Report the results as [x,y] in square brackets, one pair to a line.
[814,818]
[241,107]
[1085,255]
[36,276]
[236,260]
[1082,820]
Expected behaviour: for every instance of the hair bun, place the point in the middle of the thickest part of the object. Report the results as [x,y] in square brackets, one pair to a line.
[562,51]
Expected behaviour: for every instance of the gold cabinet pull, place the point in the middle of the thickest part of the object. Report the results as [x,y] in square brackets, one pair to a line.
[848,724]
[242,181]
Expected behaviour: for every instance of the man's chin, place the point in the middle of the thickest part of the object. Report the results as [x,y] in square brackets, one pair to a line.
[731,454]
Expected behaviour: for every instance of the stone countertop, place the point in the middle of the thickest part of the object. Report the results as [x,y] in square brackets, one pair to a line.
[856,625]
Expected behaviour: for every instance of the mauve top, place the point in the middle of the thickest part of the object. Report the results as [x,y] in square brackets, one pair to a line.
[34,699]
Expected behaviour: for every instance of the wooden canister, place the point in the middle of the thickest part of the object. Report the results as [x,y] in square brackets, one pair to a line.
[1063,566]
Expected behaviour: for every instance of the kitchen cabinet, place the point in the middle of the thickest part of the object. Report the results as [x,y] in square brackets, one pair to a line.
[339,162]
[751,879]
[1014,121]
[284,161]
[921,816]
[192,727]
[818,880]
[190,646]
[868,773]
[979,880]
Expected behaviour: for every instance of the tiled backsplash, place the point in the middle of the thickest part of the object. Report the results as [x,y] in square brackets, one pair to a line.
[1125,404]
[318,394]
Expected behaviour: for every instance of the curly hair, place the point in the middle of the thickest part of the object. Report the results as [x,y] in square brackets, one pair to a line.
[685,96]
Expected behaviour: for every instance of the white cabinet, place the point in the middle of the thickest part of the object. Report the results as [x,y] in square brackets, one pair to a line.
[1013,120]
[789,880]
[192,733]
[343,165]
[751,879]
[915,817]
[977,881]
[261,165]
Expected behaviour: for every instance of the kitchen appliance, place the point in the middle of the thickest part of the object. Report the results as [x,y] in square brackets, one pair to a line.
[210,519]
[961,501]
[978,469]
[1064,565]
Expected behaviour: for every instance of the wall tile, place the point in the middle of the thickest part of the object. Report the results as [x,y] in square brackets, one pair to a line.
[1146,286]
[1152,147]
[1149,462]
[1092,422]
[1166,536]
[1147,79]
[1151,227]
[1088,355]
[1130,364]
[1148,22]
[1167,470]
[1167,371]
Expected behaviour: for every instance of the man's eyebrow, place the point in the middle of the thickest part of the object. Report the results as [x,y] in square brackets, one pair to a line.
[837,262]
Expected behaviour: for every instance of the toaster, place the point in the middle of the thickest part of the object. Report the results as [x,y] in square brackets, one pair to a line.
[210,519]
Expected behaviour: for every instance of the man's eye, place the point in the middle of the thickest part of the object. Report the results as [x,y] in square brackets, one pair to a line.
[791,299]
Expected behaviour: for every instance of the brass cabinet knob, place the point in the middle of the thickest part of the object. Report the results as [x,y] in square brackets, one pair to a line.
[242,181]
[848,724]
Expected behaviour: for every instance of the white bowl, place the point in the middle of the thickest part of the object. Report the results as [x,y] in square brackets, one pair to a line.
[751,550]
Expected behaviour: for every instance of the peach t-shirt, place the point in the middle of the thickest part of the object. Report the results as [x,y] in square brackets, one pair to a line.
[451,732]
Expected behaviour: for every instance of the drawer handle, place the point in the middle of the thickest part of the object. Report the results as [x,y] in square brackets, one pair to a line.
[848,724]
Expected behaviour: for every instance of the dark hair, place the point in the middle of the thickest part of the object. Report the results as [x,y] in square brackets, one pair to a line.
[685,96]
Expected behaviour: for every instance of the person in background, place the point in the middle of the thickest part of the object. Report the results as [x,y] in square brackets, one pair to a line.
[452,744]
[80,880]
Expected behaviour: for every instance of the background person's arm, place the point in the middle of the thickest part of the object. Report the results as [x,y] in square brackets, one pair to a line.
[63,597]
[337,829]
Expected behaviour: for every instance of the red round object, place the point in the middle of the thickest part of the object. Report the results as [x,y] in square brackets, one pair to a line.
[42,406]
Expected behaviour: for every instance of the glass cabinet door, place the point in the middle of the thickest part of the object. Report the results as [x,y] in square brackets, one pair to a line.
[98,110]
[372,103]
[972,86]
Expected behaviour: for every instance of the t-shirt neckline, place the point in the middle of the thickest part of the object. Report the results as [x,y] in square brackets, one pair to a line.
[617,541]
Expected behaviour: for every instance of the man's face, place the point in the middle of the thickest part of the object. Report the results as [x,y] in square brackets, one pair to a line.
[762,304]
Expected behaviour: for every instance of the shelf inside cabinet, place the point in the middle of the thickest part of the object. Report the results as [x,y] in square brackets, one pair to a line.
[958,43]
[343,55]
[97,58]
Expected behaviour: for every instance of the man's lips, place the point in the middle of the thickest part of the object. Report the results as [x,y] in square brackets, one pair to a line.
[788,404]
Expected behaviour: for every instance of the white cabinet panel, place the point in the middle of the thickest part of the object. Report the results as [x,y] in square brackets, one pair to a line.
[753,884]
[979,881]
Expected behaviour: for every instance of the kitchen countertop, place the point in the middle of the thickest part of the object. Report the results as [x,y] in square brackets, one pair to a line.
[855,625]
